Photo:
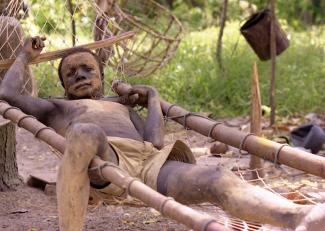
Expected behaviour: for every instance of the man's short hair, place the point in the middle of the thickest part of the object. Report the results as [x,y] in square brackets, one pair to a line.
[80,50]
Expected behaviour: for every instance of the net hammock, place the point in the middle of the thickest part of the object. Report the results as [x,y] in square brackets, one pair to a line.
[68,23]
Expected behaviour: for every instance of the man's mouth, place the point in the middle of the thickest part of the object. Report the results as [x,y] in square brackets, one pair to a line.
[81,85]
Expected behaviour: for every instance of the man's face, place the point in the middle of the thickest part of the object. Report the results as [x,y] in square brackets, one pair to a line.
[81,76]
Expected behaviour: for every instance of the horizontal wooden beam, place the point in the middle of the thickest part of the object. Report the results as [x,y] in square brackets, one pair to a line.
[48,56]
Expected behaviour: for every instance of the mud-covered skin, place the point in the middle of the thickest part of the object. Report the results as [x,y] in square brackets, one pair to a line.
[191,184]
[81,76]
[87,118]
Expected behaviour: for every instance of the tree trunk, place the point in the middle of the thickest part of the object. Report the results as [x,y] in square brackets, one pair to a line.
[11,39]
[9,177]
[223,19]
[273,64]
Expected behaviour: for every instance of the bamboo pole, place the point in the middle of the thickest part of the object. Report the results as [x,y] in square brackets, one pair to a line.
[48,56]
[165,205]
[256,122]
[254,145]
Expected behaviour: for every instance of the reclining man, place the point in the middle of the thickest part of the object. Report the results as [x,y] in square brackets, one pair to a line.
[99,127]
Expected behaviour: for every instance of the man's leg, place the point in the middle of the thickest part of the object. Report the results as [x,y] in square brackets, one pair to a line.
[195,184]
[84,141]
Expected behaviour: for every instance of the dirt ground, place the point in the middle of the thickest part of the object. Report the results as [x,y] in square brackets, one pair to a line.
[32,209]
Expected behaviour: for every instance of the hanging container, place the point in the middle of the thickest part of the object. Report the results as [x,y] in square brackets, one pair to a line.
[257,32]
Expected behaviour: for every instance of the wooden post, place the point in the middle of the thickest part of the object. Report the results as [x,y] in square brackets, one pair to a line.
[73,23]
[223,19]
[9,177]
[273,60]
[256,120]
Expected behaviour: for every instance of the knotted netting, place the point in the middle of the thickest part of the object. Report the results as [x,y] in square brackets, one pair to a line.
[74,22]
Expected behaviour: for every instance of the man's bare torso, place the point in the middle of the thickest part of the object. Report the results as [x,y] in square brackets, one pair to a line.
[113,118]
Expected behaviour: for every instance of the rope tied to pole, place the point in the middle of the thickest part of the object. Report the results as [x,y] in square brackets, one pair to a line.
[167,113]
[242,143]
[7,109]
[100,168]
[24,117]
[41,129]
[276,156]
[167,118]
[163,204]
[206,224]
[212,128]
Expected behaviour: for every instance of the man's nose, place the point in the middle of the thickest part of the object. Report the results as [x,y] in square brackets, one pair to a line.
[80,75]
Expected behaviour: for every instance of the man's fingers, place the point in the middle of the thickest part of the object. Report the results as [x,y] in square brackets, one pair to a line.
[130,91]
[137,90]
[134,98]
[34,43]
[37,42]
[42,44]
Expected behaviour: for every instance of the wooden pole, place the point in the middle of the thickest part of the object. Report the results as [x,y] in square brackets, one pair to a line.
[254,145]
[223,19]
[5,64]
[73,23]
[165,205]
[273,64]
[256,122]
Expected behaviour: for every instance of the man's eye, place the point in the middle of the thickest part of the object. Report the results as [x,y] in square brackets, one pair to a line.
[89,69]
[71,73]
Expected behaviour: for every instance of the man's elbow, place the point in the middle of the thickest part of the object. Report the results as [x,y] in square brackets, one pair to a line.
[5,94]
[2,94]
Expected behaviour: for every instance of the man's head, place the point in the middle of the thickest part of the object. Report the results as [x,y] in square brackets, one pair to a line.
[81,74]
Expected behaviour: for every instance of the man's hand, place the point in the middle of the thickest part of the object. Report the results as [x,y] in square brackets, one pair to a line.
[32,47]
[133,95]
[143,94]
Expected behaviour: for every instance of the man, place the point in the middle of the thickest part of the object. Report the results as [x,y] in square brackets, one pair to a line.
[99,127]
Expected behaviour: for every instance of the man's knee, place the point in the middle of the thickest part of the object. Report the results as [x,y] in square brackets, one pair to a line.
[86,132]
[84,141]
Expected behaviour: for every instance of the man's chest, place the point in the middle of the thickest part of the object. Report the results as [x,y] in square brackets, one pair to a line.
[102,113]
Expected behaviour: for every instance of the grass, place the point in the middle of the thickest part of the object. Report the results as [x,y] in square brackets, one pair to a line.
[193,79]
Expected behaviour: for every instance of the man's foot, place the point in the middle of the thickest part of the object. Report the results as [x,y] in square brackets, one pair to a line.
[314,219]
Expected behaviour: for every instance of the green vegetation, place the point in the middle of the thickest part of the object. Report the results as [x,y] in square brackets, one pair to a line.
[192,78]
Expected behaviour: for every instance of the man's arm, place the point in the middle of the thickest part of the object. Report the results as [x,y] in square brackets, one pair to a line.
[154,124]
[13,82]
